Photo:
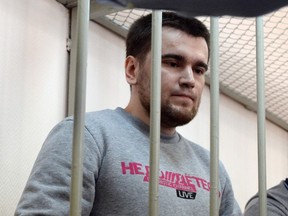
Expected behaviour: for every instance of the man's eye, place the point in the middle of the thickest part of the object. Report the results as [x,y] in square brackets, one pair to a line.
[172,64]
[200,70]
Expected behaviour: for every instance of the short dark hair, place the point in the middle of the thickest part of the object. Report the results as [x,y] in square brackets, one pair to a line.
[138,41]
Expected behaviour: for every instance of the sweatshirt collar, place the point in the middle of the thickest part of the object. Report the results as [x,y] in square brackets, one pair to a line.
[144,128]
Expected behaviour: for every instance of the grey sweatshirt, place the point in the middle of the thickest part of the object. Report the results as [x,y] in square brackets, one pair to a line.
[116,172]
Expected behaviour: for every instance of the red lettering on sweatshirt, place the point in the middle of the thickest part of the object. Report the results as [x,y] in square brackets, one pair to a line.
[167,178]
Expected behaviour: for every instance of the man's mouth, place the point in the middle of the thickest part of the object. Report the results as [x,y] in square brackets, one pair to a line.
[184,95]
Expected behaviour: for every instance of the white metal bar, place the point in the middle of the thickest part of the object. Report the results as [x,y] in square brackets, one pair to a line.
[79,106]
[261,117]
[155,112]
[214,118]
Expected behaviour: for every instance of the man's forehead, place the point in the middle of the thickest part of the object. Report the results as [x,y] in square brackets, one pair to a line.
[174,36]
[185,45]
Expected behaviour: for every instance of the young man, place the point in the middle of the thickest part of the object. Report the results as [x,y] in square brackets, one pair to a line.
[116,161]
[277,201]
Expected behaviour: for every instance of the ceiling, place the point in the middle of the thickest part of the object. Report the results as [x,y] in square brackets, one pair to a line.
[237,47]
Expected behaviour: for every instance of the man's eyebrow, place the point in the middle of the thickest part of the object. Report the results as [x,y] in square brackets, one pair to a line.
[173,56]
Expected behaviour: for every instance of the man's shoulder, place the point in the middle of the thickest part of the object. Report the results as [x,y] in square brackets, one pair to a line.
[279,193]
[99,115]
[104,118]
[95,119]
[277,200]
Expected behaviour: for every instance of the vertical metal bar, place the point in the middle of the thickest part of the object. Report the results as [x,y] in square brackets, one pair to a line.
[155,112]
[79,106]
[261,117]
[214,118]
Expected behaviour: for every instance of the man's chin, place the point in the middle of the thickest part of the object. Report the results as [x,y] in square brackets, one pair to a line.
[185,112]
[178,116]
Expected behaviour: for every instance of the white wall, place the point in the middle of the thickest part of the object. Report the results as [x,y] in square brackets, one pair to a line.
[33,71]
[106,84]
[33,76]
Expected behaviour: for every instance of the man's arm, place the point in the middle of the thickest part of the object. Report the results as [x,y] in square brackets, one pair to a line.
[229,205]
[47,191]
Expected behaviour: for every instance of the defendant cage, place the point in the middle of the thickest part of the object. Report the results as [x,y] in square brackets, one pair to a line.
[233,68]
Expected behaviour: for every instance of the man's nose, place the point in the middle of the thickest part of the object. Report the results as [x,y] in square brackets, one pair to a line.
[187,78]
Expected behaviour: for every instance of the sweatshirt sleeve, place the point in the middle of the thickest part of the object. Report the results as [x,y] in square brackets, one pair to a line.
[229,206]
[47,191]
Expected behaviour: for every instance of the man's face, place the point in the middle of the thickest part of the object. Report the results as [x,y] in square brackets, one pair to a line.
[184,62]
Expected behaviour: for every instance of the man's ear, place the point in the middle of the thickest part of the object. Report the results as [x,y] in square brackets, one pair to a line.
[131,70]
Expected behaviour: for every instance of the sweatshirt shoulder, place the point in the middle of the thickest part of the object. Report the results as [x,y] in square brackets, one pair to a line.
[103,116]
